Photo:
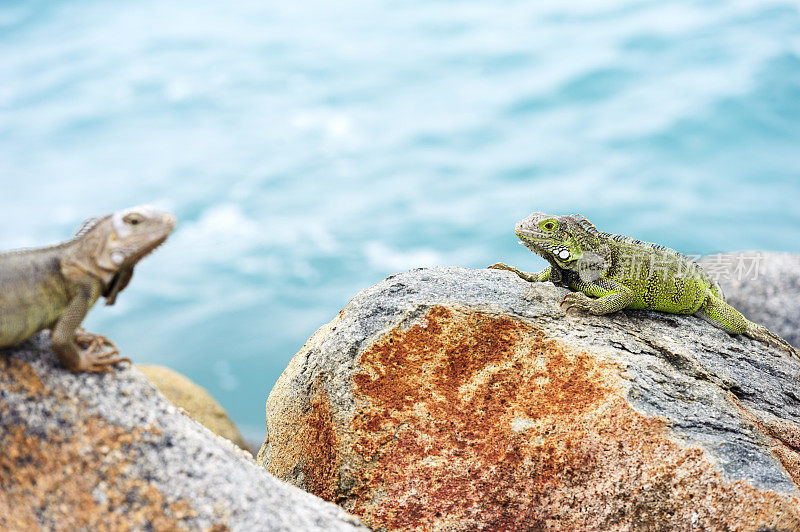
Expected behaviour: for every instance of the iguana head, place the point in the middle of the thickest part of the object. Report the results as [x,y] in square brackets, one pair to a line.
[561,240]
[134,233]
[109,247]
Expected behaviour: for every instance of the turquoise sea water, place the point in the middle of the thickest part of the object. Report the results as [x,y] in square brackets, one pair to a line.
[310,149]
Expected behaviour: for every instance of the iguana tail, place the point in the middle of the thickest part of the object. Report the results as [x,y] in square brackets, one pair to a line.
[717,312]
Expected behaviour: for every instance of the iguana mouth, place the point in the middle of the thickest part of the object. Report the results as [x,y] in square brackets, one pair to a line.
[529,236]
[532,241]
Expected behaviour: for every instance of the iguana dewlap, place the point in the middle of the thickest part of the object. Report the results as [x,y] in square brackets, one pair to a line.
[611,272]
[54,287]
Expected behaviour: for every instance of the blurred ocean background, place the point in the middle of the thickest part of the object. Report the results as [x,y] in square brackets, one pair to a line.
[310,149]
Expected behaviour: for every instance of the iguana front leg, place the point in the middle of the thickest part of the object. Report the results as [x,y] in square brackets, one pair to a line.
[611,297]
[720,314]
[65,340]
[533,277]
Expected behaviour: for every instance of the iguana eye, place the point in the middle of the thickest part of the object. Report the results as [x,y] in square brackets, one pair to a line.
[548,225]
[133,219]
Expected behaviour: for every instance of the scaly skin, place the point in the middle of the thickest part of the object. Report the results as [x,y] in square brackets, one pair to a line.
[54,287]
[611,272]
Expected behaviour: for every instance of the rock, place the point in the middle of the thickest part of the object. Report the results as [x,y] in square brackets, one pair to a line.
[762,285]
[194,399]
[456,399]
[87,451]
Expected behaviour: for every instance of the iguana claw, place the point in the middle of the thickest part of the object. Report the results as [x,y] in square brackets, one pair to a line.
[93,356]
[576,301]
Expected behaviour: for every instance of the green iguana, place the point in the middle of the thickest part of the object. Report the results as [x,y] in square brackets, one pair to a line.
[611,272]
[54,287]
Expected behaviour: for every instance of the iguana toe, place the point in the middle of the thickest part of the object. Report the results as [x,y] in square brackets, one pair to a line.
[101,362]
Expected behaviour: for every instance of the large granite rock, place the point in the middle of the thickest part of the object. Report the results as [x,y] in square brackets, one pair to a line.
[455,399]
[107,452]
[194,399]
[762,285]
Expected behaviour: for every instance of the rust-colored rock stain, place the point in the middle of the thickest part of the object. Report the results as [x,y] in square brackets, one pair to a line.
[19,377]
[78,480]
[307,448]
[471,421]
[321,462]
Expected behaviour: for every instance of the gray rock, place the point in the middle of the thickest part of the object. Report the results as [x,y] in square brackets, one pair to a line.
[762,285]
[107,451]
[194,400]
[455,398]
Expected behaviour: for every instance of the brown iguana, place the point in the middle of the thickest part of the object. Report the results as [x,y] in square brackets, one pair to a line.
[611,272]
[54,287]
